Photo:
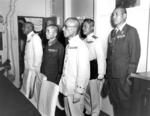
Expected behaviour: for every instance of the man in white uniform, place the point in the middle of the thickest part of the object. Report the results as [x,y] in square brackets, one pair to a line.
[97,69]
[76,70]
[33,53]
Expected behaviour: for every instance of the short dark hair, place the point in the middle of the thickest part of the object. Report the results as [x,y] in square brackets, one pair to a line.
[31,24]
[55,27]
[123,10]
[89,21]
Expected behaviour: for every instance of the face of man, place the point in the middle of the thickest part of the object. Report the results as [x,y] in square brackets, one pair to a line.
[87,28]
[27,29]
[69,29]
[118,17]
[51,33]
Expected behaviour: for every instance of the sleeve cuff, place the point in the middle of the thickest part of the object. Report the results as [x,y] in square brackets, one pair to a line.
[80,89]
[100,77]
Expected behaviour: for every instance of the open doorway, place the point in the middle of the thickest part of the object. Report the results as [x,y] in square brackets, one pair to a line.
[39,27]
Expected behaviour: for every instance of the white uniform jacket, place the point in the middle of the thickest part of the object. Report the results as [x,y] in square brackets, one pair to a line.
[96,51]
[76,70]
[33,52]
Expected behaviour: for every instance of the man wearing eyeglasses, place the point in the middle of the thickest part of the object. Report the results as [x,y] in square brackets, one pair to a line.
[76,70]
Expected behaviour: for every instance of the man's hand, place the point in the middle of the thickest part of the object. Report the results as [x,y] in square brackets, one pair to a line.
[129,81]
[100,77]
[76,97]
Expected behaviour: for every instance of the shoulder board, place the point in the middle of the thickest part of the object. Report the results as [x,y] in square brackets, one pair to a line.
[32,34]
[94,36]
[89,42]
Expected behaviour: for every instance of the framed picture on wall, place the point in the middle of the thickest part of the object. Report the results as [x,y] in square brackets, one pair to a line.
[127,3]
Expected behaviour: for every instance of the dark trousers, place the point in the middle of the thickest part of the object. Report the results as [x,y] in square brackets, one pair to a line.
[120,97]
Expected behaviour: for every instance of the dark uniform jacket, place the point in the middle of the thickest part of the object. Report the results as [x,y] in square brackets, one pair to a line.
[123,52]
[122,60]
[53,61]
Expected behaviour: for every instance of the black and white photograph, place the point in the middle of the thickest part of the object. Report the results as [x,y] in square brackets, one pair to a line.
[74,57]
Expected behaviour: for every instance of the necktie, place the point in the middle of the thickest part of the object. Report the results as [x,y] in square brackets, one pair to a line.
[114,33]
[114,36]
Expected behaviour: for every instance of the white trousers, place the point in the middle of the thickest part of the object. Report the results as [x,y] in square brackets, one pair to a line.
[73,109]
[92,99]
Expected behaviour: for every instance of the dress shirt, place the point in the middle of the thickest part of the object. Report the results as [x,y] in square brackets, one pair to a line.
[121,26]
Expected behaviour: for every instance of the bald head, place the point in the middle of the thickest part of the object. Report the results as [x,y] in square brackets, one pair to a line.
[71,27]
[28,27]
[72,21]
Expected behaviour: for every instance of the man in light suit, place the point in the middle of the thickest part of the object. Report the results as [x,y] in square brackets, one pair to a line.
[97,69]
[33,53]
[122,60]
[76,70]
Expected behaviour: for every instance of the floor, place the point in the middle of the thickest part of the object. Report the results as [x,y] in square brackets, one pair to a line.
[62,113]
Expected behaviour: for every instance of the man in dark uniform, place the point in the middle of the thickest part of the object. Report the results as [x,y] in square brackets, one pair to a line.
[122,60]
[53,55]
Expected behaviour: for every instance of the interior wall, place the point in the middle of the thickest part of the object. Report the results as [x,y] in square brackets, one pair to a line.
[31,8]
[4,7]
[35,8]
[148,57]
[82,8]
[139,18]
[58,10]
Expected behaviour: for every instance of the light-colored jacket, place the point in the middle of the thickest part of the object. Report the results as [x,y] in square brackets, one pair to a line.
[96,51]
[76,70]
[32,60]
[33,52]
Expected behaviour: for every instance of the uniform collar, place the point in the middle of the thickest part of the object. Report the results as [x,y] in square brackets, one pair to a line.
[52,42]
[89,37]
[73,40]
[30,35]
